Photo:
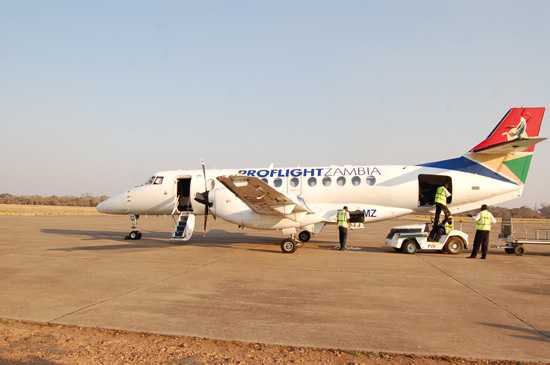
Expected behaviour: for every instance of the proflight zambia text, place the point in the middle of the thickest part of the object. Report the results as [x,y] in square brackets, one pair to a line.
[312,171]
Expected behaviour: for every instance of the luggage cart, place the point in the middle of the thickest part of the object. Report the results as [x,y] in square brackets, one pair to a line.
[515,239]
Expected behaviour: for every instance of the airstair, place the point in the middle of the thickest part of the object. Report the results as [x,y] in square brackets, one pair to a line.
[184,227]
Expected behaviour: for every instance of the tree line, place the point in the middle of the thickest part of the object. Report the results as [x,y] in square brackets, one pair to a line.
[84,200]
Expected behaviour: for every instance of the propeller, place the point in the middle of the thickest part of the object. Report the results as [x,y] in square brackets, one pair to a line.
[204,197]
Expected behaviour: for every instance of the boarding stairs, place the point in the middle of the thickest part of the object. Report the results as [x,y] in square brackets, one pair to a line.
[184,227]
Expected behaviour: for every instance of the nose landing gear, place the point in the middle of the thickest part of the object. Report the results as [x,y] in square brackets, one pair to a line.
[134,234]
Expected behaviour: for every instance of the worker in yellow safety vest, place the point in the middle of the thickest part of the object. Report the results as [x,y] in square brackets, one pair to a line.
[484,219]
[440,201]
[343,217]
[449,226]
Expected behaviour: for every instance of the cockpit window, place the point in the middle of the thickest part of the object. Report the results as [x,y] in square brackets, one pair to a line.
[151,180]
[158,180]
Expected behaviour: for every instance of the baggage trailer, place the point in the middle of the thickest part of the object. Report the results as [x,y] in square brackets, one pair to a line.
[516,238]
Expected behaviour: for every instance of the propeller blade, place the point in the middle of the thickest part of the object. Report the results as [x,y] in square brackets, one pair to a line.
[206,193]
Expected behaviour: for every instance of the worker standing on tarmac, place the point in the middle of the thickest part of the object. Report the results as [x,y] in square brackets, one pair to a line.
[483,219]
[343,218]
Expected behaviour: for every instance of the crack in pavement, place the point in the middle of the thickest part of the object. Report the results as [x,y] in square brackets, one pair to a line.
[135,290]
[489,299]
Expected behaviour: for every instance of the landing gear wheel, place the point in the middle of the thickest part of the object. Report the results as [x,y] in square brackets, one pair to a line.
[519,250]
[288,246]
[454,246]
[409,246]
[304,236]
[134,236]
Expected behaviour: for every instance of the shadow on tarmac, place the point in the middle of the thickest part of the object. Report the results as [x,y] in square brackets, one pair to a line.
[522,332]
[214,238]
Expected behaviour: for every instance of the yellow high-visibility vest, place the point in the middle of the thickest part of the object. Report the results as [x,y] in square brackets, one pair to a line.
[484,221]
[342,218]
[440,197]
[449,227]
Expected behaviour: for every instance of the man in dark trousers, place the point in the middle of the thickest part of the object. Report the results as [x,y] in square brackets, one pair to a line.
[343,224]
[484,219]
[440,201]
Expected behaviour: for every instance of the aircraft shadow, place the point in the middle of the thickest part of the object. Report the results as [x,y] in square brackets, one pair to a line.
[214,238]
[522,332]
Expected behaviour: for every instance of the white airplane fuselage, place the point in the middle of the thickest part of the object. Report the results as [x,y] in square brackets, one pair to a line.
[383,192]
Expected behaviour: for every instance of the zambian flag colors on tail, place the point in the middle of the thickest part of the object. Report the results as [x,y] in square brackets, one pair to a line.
[509,149]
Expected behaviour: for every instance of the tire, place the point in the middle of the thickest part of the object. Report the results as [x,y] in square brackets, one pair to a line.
[509,251]
[304,236]
[519,250]
[409,246]
[288,246]
[134,235]
[454,245]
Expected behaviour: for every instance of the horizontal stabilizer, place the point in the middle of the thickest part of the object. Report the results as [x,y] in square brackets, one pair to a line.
[518,145]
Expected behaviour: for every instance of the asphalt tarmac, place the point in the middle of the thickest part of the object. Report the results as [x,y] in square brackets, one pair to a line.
[237,285]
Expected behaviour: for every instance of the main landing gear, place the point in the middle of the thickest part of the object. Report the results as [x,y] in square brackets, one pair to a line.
[304,236]
[290,245]
[134,233]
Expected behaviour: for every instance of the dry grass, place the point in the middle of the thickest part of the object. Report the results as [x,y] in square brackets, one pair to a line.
[45,210]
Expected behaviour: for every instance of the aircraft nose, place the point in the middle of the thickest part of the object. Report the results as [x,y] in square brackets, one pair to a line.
[114,205]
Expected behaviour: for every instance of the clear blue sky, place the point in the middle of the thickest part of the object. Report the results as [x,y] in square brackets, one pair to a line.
[96,96]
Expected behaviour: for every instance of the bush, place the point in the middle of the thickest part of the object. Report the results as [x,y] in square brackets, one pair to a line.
[73,201]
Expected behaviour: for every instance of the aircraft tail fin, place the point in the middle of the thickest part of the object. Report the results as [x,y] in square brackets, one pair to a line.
[509,148]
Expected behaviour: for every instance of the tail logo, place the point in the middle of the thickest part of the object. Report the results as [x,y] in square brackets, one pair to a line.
[517,132]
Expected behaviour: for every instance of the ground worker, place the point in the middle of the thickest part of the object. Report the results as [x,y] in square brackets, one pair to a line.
[449,226]
[483,220]
[440,200]
[343,218]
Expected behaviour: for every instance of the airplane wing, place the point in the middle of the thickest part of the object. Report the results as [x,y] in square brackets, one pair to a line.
[262,198]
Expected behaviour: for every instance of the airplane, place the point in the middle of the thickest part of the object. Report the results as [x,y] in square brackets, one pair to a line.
[301,201]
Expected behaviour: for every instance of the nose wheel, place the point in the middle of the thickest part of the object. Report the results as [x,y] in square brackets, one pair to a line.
[134,234]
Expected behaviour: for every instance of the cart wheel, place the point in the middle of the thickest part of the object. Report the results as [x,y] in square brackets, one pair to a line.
[454,245]
[509,251]
[519,250]
[288,246]
[409,246]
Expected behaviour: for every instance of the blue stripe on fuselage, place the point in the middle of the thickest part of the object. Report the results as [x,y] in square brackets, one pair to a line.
[466,165]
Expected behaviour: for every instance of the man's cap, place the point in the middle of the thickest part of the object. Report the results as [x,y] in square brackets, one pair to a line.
[484,207]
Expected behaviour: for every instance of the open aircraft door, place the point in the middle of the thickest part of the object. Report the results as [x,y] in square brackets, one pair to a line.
[427,185]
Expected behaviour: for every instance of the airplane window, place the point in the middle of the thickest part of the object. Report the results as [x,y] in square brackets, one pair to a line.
[371,180]
[327,181]
[341,181]
[278,182]
[158,180]
[265,180]
[294,182]
[312,181]
[356,180]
